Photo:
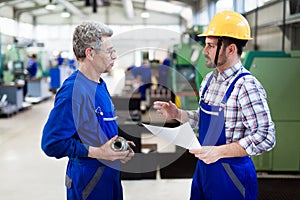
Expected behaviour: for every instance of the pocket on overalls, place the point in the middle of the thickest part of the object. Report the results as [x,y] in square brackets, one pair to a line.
[104,116]
[251,184]
[68,176]
[94,178]
[68,181]
[236,174]
[107,121]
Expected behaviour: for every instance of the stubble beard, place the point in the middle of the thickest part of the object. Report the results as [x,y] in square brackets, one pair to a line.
[209,64]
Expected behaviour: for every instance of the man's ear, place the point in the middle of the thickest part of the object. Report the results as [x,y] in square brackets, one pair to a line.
[89,53]
[232,48]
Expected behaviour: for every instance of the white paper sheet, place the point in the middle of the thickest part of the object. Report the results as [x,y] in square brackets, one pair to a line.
[182,135]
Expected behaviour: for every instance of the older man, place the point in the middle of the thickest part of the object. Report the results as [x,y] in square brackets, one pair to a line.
[82,125]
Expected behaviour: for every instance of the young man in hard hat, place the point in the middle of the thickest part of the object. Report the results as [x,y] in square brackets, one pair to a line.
[233,116]
[82,125]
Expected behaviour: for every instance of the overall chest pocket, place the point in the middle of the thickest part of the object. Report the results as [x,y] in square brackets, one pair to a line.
[107,122]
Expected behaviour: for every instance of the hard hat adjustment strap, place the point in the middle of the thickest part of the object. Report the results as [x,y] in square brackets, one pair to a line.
[219,44]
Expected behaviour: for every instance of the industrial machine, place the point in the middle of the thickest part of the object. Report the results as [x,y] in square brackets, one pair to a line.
[189,68]
[16,84]
[278,73]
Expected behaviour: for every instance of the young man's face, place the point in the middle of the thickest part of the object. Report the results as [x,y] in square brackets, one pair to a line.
[209,52]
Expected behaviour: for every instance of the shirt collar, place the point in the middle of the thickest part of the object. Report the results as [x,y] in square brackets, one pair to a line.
[228,72]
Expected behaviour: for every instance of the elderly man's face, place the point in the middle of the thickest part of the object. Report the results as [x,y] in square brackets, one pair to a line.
[104,58]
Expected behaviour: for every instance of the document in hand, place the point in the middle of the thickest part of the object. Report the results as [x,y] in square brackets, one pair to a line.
[182,135]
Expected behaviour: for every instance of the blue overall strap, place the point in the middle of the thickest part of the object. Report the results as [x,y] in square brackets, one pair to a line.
[207,84]
[230,89]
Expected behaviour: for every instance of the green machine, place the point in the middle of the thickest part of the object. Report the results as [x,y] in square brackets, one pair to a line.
[278,72]
[189,68]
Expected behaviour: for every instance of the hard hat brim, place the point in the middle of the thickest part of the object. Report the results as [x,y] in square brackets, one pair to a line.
[208,35]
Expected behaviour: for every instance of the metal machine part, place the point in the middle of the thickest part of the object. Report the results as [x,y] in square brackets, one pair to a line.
[120,144]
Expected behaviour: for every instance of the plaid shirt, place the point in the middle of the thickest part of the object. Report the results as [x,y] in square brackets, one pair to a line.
[247,115]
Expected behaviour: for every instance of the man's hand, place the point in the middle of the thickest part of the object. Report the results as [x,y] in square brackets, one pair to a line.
[208,154]
[211,154]
[168,110]
[105,152]
[130,154]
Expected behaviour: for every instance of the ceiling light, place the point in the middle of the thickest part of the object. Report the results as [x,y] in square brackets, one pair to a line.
[145,15]
[50,7]
[65,14]
[160,6]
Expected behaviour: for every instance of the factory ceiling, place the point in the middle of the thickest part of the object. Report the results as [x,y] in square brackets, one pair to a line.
[109,11]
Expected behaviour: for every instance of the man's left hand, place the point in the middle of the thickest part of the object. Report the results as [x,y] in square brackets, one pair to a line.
[208,154]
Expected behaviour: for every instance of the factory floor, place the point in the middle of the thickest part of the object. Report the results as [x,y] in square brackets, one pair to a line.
[27,173]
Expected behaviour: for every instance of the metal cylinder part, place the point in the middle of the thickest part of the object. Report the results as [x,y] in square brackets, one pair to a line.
[120,144]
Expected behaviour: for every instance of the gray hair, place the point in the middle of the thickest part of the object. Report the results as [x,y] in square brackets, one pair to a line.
[89,34]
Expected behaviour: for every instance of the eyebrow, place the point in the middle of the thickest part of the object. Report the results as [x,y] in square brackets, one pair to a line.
[210,43]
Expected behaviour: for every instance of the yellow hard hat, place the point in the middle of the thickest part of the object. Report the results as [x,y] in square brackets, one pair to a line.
[229,24]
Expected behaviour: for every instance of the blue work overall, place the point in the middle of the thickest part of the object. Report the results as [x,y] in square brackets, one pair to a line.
[228,178]
[89,178]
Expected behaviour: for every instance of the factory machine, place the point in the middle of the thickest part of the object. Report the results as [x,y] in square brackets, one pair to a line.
[189,68]
[14,81]
[278,73]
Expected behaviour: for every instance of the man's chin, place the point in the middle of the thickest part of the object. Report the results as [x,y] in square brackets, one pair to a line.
[210,65]
[109,68]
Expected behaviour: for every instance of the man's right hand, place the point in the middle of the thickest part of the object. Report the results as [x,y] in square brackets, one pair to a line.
[105,152]
[167,110]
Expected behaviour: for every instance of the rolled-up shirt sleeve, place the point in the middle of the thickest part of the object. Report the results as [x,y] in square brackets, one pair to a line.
[260,129]
[193,116]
